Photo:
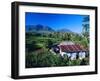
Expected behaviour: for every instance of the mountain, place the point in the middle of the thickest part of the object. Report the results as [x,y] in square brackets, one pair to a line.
[38,28]
[65,30]
[44,29]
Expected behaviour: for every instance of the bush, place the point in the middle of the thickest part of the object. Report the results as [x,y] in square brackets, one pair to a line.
[41,60]
[47,59]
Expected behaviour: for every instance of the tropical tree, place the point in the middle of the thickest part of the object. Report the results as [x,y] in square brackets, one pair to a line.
[86,26]
[85,31]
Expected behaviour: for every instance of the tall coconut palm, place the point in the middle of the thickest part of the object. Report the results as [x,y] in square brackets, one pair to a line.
[85,30]
[86,26]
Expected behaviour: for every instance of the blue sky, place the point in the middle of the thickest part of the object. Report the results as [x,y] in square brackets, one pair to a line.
[56,21]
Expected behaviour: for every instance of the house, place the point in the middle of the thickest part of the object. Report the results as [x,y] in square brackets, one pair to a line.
[72,50]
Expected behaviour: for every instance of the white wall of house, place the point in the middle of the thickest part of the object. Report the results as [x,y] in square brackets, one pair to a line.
[82,55]
[63,53]
[73,55]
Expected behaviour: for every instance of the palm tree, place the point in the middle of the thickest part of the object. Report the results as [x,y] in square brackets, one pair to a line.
[85,31]
[86,26]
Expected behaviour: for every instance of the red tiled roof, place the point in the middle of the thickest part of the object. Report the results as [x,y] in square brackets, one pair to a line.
[71,48]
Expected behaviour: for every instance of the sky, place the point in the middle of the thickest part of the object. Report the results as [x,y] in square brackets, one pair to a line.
[56,21]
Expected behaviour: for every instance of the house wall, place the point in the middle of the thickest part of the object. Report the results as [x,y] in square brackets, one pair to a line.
[82,55]
[72,56]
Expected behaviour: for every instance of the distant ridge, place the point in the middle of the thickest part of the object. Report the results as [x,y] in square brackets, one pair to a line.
[44,29]
[38,28]
[65,30]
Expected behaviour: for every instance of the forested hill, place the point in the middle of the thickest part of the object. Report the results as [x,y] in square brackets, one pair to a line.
[42,28]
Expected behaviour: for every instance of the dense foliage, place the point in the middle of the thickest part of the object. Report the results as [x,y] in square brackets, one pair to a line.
[38,54]
[48,60]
